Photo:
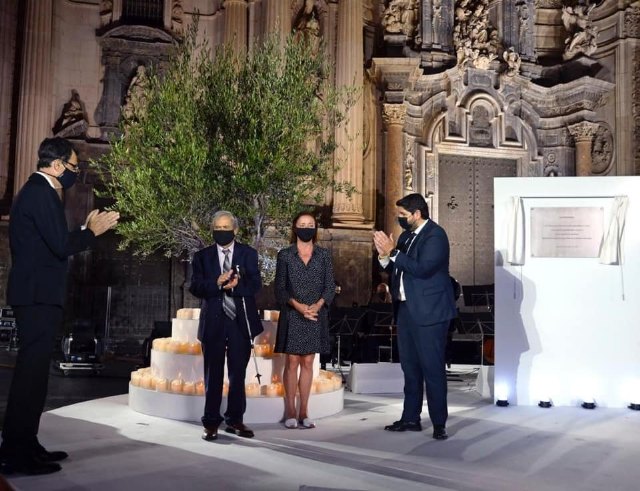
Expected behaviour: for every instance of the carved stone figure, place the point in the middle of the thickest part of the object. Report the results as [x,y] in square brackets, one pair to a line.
[72,112]
[136,96]
[477,43]
[401,17]
[409,161]
[307,25]
[106,12]
[513,62]
[582,33]
[177,13]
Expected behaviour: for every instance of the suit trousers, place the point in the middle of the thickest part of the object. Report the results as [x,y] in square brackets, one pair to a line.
[422,358]
[37,328]
[233,342]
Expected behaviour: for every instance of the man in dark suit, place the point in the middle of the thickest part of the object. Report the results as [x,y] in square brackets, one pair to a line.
[40,245]
[423,305]
[226,278]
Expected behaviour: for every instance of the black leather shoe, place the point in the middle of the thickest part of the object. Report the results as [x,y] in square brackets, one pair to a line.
[440,432]
[239,429]
[30,466]
[210,433]
[44,455]
[404,426]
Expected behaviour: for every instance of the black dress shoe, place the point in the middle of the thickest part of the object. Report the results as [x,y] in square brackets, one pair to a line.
[239,429]
[210,433]
[404,426]
[440,432]
[44,455]
[28,465]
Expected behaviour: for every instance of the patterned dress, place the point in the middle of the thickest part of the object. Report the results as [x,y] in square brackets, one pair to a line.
[306,284]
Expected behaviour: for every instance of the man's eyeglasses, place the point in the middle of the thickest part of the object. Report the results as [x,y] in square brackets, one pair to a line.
[74,167]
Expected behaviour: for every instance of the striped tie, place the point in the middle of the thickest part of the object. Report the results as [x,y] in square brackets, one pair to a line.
[228,305]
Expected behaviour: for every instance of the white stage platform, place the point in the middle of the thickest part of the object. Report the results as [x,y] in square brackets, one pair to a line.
[518,448]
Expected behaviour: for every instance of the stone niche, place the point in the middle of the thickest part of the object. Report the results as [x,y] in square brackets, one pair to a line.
[124,49]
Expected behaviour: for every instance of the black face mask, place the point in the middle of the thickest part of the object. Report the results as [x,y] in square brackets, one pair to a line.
[67,178]
[404,223]
[224,237]
[305,234]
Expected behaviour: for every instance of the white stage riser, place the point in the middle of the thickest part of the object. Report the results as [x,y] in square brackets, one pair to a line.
[259,409]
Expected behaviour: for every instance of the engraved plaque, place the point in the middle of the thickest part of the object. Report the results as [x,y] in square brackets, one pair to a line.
[566,232]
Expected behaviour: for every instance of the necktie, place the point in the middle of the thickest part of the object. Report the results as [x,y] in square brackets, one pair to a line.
[228,305]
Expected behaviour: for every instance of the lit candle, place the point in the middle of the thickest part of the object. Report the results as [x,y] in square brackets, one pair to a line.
[195,348]
[145,381]
[174,346]
[200,387]
[280,388]
[195,314]
[252,390]
[337,383]
[189,388]
[275,315]
[135,378]
[272,390]
[260,349]
[183,314]
[162,384]
[266,315]
[176,385]
[183,348]
[225,389]
[325,385]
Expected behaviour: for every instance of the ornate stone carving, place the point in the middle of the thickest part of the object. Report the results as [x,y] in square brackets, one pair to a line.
[583,131]
[136,96]
[475,40]
[513,62]
[409,164]
[177,14]
[582,32]
[393,114]
[548,4]
[632,21]
[636,109]
[480,131]
[73,119]
[106,12]
[307,25]
[602,150]
[401,17]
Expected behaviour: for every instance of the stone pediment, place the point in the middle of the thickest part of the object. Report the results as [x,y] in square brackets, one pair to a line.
[137,33]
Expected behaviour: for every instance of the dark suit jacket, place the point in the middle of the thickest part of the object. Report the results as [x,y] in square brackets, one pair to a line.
[206,270]
[40,245]
[426,275]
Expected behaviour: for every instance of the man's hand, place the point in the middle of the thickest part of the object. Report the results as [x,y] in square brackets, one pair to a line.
[228,280]
[101,221]
[384,244]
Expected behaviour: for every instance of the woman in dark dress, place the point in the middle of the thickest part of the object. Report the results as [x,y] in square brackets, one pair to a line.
[304,288]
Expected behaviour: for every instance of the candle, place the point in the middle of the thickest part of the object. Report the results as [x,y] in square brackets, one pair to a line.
[135,378]
[325,385]
[145,381]
[174,346]
[272,390]
[252,390]
[266,315]
[195,314]
[337,383]
[280,388]
[183,314]
[162,384]
[195,348]
[156,343]
[176,385]
[225,389]
[275,315]
[183,348]
[189,388]
[260,349]
[200,388]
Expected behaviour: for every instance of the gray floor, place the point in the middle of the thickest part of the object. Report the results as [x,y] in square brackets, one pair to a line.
[491,448]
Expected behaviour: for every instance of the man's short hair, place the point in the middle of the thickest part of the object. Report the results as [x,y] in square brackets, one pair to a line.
[413,202]
[53,149]
[224,213]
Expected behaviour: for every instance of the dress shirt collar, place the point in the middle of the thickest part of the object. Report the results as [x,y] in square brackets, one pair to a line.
[50,179]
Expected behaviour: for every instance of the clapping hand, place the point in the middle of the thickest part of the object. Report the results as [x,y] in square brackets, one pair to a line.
[101,221]
[384,243]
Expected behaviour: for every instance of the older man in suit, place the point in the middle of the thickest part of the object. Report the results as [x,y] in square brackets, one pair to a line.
[40,245]
[423,305]
[226,278]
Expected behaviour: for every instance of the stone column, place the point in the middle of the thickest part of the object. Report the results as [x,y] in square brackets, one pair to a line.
[277,17]
[349,70]
[583,134]
[235,25]
[8,29]
[393,116]
[34,103]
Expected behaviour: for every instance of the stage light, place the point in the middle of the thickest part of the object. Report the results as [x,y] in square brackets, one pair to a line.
[635,406]
[634,390]
[502,395]
[588,403]
[545,402]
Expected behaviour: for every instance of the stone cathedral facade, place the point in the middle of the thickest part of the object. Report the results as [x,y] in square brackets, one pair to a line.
[453,94]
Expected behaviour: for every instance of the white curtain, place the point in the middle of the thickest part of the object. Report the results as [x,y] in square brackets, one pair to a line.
[515,242]
[611,251]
